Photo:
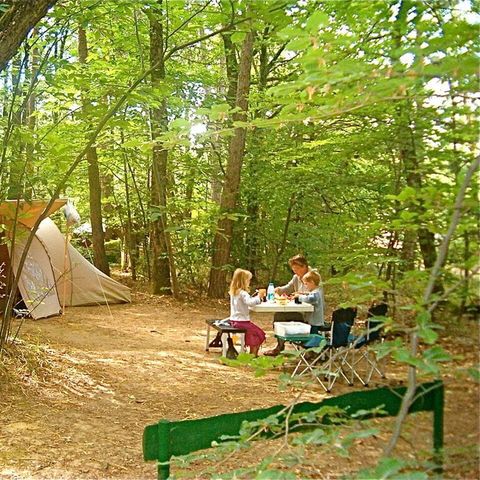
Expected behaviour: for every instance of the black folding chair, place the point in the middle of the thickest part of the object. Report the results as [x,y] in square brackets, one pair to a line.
[367,356]
[332,359]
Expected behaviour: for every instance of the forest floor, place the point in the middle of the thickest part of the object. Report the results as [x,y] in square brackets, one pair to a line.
[95,377]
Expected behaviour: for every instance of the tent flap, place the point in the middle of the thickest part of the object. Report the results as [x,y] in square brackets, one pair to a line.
[56,274]
[37,282]
[77,279]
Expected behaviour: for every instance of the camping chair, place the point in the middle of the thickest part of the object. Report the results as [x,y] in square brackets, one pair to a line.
[333,354]
[368,357]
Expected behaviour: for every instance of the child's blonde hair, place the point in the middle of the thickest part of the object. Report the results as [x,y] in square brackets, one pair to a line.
[313,277]
[240,281]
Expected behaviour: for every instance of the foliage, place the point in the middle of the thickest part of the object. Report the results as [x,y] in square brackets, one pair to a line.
[362,125]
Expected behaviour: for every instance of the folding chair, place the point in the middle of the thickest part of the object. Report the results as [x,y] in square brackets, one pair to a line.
[362,343]
[333,355]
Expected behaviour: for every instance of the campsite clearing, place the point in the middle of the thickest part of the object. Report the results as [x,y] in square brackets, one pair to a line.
[106,374]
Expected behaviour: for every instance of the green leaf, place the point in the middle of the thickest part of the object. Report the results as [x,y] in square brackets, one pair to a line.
[428,335]
[436,354]
[403,355]
[388,467]
[474,373]
[315,437]
[299,43]
[238,37]
[275,475]
[317,20]
[412,476]
[408,216]
[406,194]
[180,123]
[290,32]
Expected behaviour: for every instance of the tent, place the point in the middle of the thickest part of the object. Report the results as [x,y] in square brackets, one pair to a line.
[54,273]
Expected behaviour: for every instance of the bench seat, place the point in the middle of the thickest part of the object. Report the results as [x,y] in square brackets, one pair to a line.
[226,332]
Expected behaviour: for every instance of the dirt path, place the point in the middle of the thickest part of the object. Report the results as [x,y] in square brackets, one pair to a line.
[114,372]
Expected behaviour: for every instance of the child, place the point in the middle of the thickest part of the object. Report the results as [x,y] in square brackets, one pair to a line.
[312,280]
[240,300]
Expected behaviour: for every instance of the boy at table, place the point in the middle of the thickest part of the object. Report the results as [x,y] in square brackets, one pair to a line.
[314,297]
[299,266]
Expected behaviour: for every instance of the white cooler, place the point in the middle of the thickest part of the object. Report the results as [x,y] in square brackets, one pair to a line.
[285,329]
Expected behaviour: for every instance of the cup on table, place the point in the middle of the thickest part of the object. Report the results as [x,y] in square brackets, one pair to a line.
[262,293]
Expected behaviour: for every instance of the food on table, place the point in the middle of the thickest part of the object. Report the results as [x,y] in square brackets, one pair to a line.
[282,299]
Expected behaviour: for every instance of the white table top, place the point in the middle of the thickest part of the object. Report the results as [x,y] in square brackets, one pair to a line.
[267,307]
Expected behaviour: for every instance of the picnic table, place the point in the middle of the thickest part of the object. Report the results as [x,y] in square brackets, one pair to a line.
[271,307]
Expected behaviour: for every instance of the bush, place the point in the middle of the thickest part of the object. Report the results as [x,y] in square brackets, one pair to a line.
[113,250]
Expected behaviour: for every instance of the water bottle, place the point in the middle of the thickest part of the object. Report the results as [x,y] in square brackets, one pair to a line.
[270,292]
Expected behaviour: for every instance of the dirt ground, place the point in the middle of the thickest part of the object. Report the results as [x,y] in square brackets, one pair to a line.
[114,371]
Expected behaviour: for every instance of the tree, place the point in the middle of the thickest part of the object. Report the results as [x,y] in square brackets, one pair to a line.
[16,21]
[95,189]
[223,236]
[161,271]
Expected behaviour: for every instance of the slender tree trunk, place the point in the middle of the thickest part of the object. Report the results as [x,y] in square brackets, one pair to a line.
[130,237]
[145,225]
[252,241]
[164,279]
[95,190]
[130,243]
[408,153]
[281,249]
[31,120]
[108,194]
[223,238]
[407,254]
[231,64]
[16,164]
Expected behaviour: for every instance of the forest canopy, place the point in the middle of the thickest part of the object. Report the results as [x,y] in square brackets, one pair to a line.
[195,137]
[198,136]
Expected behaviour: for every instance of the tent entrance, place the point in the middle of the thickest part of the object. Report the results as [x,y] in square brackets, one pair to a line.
[4,269]
[5,282]
[37,282]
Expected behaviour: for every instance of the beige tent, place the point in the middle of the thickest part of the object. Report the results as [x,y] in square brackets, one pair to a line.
[49,278]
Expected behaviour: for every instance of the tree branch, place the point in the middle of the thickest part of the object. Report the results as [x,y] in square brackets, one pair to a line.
[442,254]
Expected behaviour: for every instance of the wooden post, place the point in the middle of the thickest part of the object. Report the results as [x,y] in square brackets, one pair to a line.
[163,465]
[64,275]
[438,407]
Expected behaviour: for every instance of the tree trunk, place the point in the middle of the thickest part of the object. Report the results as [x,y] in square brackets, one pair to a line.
[164,279]
[95,190]
[31,120]
[407,149]
[252,240]
[231,68]
[223,238]
[16,167]
[145,225]
[130,237]
[16,22]
[282,246]
[407,254]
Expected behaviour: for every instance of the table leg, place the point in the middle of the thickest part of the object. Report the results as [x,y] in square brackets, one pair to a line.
[224,344]
[207,343]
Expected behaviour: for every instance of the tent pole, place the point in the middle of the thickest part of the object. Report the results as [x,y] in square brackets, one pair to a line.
[65,270]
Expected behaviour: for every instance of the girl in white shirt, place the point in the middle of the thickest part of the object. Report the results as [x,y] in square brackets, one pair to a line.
[240,300]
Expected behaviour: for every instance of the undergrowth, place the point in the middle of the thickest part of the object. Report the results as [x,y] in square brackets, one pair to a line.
[34,368]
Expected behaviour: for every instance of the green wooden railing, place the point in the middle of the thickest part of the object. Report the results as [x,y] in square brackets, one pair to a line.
[166,439]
